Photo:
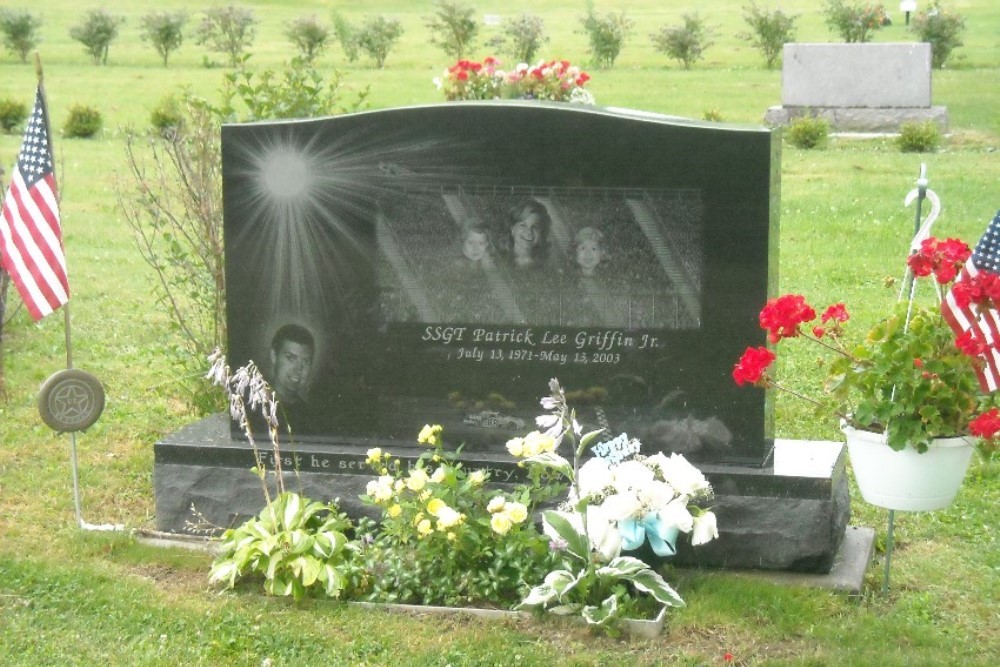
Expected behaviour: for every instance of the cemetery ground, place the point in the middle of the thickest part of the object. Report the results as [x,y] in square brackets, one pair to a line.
[76,598]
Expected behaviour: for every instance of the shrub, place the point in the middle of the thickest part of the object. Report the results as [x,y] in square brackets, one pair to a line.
[685,43]
[165,31]
[808,132]
[520,37]
[453,27]
[606,35]
[229,30]
[769,31]
[941,29]
[83,122]
[167,117]
[712,115]
[309,36]
[20,31]
[919,137]
[377,36]
[854,22]
[96,33]
[12,114]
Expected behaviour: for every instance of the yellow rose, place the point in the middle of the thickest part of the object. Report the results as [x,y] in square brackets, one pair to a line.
[516,512]
[374,455]
[435,506]
[417,480]
[439,475]
[394,510]
[430,435]
[477,477]
[447,517]
[516,446]
[496,504]
[500,523]
[424,527]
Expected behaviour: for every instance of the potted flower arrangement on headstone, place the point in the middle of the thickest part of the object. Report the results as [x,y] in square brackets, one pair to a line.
[916,394]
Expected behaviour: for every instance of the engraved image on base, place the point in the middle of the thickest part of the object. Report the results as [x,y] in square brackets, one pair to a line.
[563,257]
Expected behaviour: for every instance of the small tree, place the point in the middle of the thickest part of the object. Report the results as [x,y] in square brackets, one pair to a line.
[854,22]
[942,29]
[685,43]
[96,33]
[165,31]
[20,31]
[229,30]
[377,36]
[453,27]
[606,34]
[521,37]
[769,31]
[309,36]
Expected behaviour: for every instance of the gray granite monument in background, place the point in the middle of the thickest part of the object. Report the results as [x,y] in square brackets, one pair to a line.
[439,264]
[865,87]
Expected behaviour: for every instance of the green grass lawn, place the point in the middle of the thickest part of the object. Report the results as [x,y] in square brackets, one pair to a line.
[68,598]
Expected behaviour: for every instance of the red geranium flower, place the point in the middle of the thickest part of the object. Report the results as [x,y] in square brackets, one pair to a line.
[970,345]
[837,312]
[986,425]
[781,317]
[751,366]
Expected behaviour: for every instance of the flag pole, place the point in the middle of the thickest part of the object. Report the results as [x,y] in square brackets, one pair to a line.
[66,318]
[48,133]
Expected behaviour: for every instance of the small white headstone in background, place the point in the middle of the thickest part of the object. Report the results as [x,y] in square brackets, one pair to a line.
[491,19]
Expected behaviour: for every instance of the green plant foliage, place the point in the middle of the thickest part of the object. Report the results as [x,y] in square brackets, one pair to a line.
[769,31]
[453,27]
[167,117]
[12,114]
[808,132]
[854,21]
[377,36]
[82,122]
[942,29]
[96,32]
[685,43]
[297,91]
[309,36]
[521,37]
[446,537]
[229,30]
[606,35]
[919,137]
[20,31]
[713,115]
[165,31]
[295,544]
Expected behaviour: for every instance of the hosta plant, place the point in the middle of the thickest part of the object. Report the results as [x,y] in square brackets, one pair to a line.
[294,544]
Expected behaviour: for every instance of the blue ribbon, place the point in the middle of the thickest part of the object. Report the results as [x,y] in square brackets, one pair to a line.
[662,537]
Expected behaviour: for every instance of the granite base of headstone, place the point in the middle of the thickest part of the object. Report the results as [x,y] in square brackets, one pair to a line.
[859,88]
[790,515]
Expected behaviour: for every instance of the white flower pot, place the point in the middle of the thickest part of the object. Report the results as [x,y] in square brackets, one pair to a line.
[907,480]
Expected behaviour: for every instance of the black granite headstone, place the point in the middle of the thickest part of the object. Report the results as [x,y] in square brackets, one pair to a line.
[439,264]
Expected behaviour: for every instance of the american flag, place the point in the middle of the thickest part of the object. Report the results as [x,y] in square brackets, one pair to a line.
[30,238]
[983,322]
